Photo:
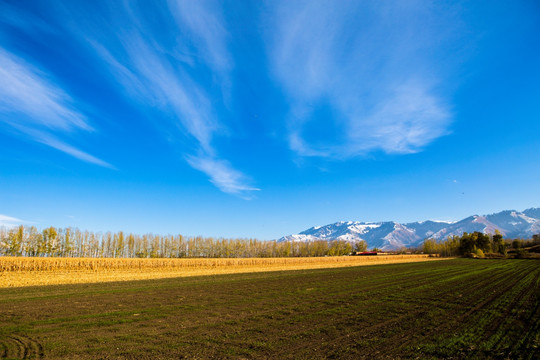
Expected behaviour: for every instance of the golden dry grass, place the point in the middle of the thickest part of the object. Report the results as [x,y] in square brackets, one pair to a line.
[21,271]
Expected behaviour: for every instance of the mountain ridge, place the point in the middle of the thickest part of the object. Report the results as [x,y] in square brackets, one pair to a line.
[390,235]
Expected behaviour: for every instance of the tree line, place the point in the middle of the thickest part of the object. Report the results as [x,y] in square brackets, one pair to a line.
[72,242]
[476,243]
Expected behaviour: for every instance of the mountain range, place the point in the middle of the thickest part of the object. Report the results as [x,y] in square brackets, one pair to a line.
[390,235]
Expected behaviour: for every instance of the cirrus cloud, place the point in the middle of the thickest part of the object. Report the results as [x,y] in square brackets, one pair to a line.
[33,105]
[378,80]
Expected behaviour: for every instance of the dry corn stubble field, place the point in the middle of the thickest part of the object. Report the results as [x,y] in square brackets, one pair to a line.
[460,308]
[21,271]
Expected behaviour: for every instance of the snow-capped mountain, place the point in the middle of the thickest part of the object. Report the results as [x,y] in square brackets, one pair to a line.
[391,235]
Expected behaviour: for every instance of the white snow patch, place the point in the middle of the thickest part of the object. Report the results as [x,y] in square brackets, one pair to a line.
[437,221]
[528,219]
[444,221]
[299,238]
[479,219]
[363,228]
[349,237]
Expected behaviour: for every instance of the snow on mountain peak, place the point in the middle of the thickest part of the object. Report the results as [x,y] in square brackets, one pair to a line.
[392,235]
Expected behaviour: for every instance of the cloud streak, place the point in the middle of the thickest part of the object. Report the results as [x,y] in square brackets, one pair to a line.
[377,81]
[223,176]
[26,90]
[171,73]
[73,151]
[9,221]
[33,105]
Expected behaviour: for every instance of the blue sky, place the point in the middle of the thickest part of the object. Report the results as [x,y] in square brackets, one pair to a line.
[261,119]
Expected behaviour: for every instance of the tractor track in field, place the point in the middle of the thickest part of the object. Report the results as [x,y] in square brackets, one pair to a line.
[20,347]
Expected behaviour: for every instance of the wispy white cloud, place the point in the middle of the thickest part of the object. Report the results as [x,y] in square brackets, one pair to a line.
[223,176]
[73,151]
[155,82]
[168,64]
[28,91]
[9,221]
[31,103]
[378,80]
[205,22]
[403,122]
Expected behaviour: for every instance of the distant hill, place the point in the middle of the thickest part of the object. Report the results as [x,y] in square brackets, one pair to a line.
[390,235]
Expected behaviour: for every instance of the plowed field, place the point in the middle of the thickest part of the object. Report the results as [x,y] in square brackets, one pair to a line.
[462,308]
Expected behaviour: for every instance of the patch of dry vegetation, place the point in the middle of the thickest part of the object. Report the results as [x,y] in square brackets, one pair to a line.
[23,271]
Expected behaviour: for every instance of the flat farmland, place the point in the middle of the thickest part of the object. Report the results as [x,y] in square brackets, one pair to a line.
[29,271]
[459,308]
